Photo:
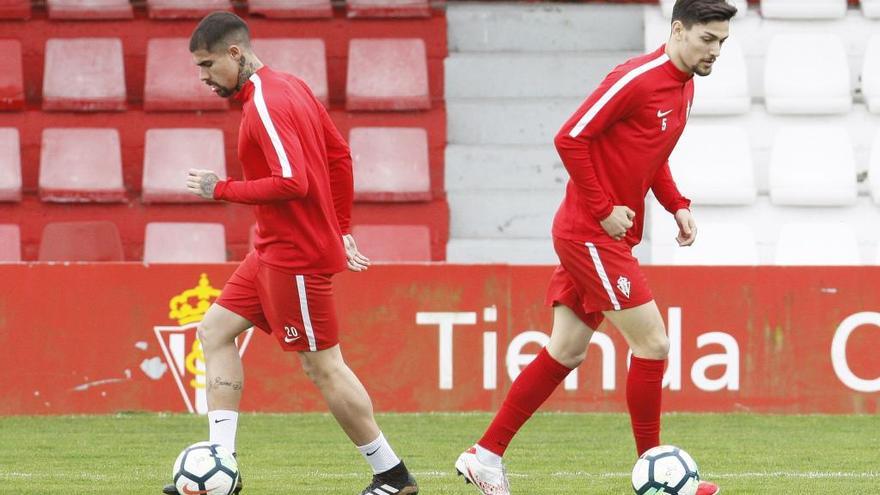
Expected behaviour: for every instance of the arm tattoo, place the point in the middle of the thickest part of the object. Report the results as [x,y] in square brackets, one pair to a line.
[209,182]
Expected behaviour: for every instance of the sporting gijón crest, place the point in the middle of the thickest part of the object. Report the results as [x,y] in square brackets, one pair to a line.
[180,345]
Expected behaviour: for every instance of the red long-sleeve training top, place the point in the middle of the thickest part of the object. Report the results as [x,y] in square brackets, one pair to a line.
[297,170]
[616,146]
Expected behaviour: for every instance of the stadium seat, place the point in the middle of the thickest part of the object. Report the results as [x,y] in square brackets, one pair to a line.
[394,242]
[15,9]
[388,8]
[169,153]
[185,9]
[726,91]
[727,178]
[10,243]
[11,78]
[720,244]
[870,8]
[81,165]
[806,74]
[741,7]
[304,58]
[172,80]
[803,9]
[390,164]
[10,164]
[80,241]
[871,74]
[84,74]
[874,168]
[812,165]
[181,242]
[89,9]
[387,74]
[817,244]
[290,9]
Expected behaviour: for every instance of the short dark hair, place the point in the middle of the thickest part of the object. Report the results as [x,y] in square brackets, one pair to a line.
[691,12]
[219,28]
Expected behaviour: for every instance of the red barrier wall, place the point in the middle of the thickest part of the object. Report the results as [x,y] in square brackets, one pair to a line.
[89,338]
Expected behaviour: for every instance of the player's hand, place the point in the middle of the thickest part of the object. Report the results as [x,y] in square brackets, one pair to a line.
[202,182]
[357,262]
[618,222]
[687,227]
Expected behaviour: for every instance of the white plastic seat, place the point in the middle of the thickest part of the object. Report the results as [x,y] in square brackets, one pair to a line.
[720,244]
[806,74]
[812,166]
[874,168]
[817,244]
[726,90]
[727,178]
[871,74]
[870,8]
[803,9]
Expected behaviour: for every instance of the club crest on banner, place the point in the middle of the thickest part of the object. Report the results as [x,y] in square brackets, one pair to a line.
[181,347]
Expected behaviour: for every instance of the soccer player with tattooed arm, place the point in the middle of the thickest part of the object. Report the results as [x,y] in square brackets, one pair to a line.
[615,148]
[297,174]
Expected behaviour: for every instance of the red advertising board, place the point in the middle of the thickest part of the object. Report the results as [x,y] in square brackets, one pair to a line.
[99,338]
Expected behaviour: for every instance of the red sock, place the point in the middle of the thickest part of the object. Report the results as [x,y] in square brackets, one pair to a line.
[644,385]
[530,389]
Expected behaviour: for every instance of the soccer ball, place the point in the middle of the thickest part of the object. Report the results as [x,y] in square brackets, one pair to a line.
[665,469]
[205,468]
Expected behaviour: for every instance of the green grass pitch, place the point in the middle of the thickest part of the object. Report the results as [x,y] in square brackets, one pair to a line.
[555,453]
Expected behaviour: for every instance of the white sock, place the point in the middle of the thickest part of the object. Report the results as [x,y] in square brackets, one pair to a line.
[223,424]
[379,454]
[488,457]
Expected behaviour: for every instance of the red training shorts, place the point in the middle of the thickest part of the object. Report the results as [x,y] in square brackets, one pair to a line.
[592,278]
[297,309]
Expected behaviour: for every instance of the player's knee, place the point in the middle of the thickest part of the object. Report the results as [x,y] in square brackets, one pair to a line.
[569,358]
[316,371]
[209,336]
[658,348]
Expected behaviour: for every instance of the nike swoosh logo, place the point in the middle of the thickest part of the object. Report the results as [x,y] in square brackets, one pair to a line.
[288,340]
[373,452]
[187,491]
[220,420]
[663,114]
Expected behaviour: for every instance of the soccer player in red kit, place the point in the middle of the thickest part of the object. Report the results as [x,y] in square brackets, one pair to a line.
[297,174]
[615,147]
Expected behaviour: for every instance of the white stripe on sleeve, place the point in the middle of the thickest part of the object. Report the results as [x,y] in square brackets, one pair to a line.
[613,90]
[260,103]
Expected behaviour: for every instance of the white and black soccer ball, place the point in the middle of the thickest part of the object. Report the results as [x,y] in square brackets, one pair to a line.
[665,469]
[205,468]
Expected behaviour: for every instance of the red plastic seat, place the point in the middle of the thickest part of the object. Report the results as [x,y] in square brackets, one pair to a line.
[81,165]
[172,79]
[84,74]
[393,242]
[304,58]
[11,79]
[80,241]
[169,153]
[89,9]
[390,164]
[10,165]
[181,242]
[387,74]
[291,9]
[185,9]
[389,8]
[10,243]
[15,9]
